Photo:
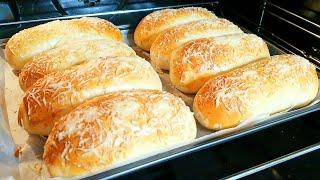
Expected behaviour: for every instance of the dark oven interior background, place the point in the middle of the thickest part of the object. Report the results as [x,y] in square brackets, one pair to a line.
[16,10]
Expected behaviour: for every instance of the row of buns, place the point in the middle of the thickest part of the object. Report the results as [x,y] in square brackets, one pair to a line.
[196,49]
[231,72]
[101,105]
[97,101]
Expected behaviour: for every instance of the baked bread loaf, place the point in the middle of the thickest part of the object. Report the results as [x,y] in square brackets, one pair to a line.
[260,88]
[58,93]
[171,39]
[27,43]
[69,54]
[117,128]
[155,23]
[193,63]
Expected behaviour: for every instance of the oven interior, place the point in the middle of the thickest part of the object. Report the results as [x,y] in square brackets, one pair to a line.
[289,26]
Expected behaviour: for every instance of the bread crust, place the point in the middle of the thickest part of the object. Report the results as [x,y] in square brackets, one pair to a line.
[27,43]
[193,63]
[117,128]
[171,39]
[260,88]
[68,54]
[58,93]
[153,24]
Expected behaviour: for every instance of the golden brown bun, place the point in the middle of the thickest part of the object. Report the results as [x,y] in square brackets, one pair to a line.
[193,63]
[68,54]
[171,39]
[116,128]
[58,93]
[260,88]
[155,23]
[27,43]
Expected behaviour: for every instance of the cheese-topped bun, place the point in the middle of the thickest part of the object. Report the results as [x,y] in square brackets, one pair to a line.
[27,43]
[68,54]
[193,63]
[58,93]
[171,39]
[260,88]
[155,23]
[117,128]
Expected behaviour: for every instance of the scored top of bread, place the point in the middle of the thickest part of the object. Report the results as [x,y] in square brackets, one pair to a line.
[260,88]
[68,54]
[153,24]
[117,128]
[27,43]
[171,39]
[58,93]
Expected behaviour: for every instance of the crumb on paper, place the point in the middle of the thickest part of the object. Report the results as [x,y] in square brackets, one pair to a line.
[17,152]
[37,168]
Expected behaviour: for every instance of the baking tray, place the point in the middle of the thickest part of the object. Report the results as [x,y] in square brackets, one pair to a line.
[126,20]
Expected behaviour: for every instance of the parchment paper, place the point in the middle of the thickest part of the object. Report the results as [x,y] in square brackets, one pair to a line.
[30,162]
[8,162]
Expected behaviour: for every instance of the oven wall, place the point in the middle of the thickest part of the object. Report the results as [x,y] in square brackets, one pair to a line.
[291,24]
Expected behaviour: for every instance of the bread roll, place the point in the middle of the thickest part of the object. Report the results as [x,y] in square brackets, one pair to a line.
[67,55]
[27,43]
[171,39]
[192,64]
[260,88]
[117,128]
[155,23]
[58,93]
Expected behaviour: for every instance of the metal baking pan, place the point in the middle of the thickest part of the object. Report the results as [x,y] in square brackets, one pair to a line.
[126,20]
